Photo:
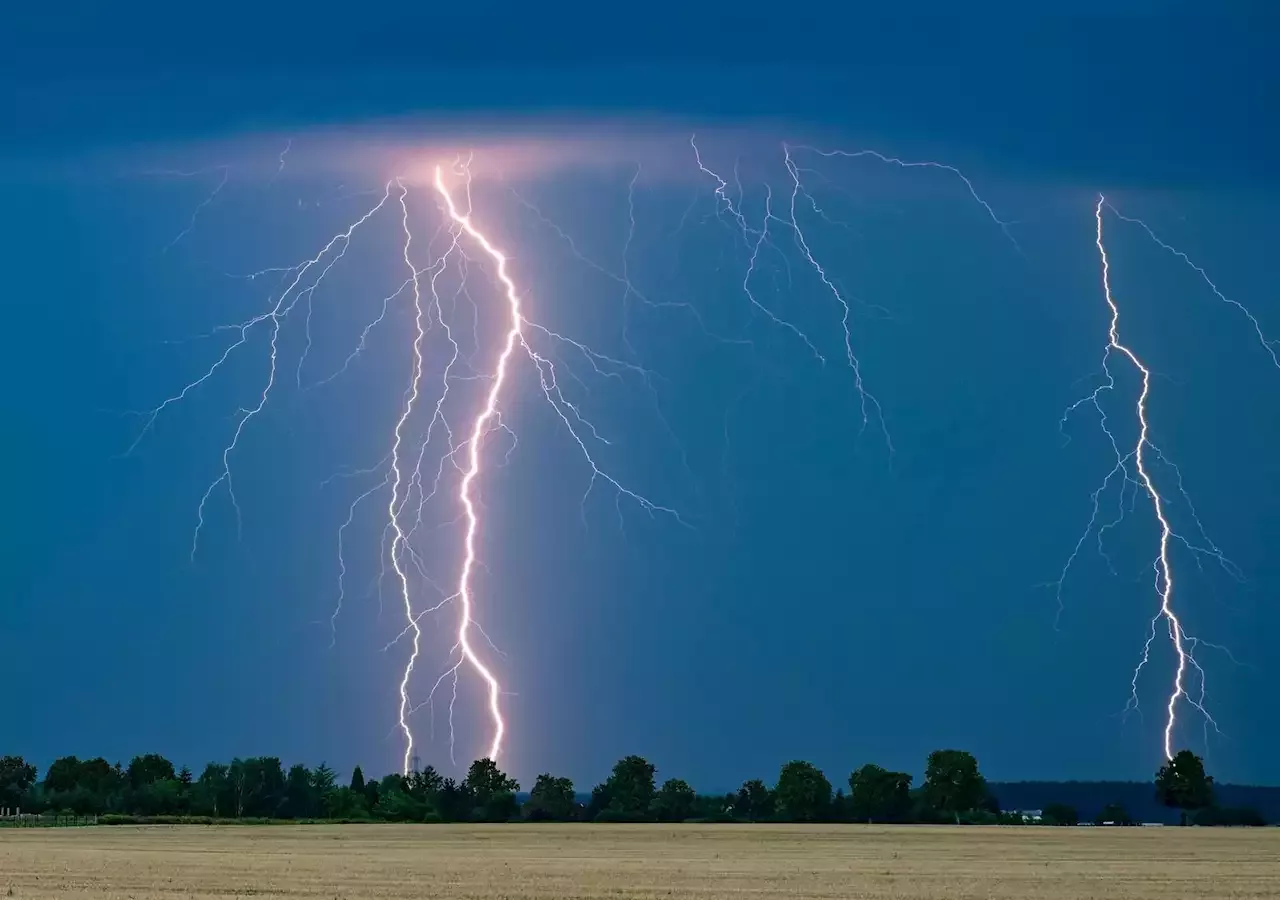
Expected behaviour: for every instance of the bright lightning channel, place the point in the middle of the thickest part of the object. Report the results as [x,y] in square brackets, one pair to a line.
[1134,467]
[1164,571]
[478,431]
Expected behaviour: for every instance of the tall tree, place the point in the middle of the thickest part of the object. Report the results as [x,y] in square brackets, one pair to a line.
[878,795]
[323,779]
[101,777]
[484,780]
[753,802]
[952,782]
[630,788]
[493,792]
[372,794]
[454,802]
[803,793]
[424,785]
[259,786]
[157,798]
[346,804]
[551,799]
[212,794]
[1183,784]
[63,775]
[357,780]
[145,770]
[301,800]
[86,786]
[396,805]
[674,802]
[599,802]
[16,778]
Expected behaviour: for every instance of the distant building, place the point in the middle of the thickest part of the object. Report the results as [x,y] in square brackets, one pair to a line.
[1028,816]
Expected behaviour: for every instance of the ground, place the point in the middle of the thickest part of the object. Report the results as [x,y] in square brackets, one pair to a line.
[568,862]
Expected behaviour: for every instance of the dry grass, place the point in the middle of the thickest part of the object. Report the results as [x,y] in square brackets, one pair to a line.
[586,861]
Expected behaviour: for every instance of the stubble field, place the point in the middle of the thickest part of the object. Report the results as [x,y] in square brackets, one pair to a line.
[589,861]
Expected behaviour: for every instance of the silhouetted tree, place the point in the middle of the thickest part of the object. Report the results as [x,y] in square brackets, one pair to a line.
[878,795]
[551,799]
[1182,784]
[753,802]
[16,779]
[211,795]
[145,770]
[324,781]
[629,791]
[397,803]
[258,786]
[453,802]
[357,780]
[674,802]
[345,803]
[953,784]
[803,792]
[493,792]
[300,797]
[599,802]
[63,775]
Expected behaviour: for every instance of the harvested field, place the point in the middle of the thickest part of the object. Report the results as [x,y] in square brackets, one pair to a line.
[596,861]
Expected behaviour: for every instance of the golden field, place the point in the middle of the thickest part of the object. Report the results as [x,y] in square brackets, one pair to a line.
[567,862]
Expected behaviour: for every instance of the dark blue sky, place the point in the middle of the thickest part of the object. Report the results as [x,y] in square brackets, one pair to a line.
[832,603]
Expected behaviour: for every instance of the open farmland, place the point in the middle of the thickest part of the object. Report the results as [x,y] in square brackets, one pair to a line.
[645,861]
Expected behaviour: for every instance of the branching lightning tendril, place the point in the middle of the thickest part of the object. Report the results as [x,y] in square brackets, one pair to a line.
[1134,467]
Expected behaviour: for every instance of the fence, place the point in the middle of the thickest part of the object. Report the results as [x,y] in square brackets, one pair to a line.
[16,818]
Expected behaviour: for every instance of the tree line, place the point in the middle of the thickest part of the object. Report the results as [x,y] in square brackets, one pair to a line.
[260,788]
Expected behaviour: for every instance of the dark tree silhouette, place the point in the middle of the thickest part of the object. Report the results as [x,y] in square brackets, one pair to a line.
[952,782]
[803,793]
[674,803]
[753,802]
[628,793]
[1182,784]
[878,795]
[953,790]
[551,799]
[16,778]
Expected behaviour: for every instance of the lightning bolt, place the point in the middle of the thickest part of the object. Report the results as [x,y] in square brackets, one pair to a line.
[1134,467]
[394,506]
[479,429]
